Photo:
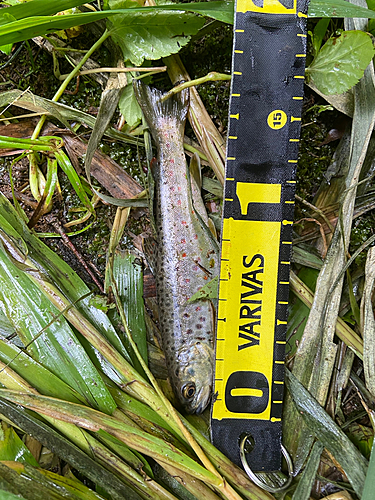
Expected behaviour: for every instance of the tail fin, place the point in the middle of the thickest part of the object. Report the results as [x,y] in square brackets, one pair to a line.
[154,108]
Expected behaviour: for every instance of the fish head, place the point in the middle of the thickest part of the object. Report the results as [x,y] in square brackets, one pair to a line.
[194,376]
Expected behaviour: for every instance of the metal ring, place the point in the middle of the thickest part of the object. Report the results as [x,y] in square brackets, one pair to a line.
[255,479]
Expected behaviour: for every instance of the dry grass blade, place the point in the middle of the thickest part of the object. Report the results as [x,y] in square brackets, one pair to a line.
[368,323]
[305,484]
[343,330]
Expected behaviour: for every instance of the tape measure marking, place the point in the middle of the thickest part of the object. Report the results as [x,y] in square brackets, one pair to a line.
[262,148]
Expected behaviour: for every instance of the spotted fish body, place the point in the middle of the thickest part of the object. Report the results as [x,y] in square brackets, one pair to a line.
[186,257]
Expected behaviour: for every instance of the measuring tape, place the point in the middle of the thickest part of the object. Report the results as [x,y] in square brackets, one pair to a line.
[265,119]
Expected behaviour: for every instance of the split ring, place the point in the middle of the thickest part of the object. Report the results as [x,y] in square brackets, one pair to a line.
[256,480]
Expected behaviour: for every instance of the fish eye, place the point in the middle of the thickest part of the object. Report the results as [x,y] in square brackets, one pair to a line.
[188,390]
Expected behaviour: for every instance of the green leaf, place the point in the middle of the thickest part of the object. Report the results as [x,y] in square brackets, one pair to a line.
[12,448]
[129,106]
[319,33]
[152,35]
[208,291]
[328,432]
[66,450]
[299,312]
[131,435]
[362,437]
[341,62]
[222,11]
[153,21]
[337,8]
[74,179]
[4,19]
[41,8]
[57,348]
[63,275]
[128,275]
[39,377]
[307,479]
[369,487]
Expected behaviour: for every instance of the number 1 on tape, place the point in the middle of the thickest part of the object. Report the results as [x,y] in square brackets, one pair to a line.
[265,119]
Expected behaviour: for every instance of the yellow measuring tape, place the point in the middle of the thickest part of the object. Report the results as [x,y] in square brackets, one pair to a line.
[265,118]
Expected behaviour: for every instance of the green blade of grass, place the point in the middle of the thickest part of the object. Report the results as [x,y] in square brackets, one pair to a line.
[369,486]
[63,113]
[307,479]
[42,8]
[343,330]
[94,421]
[57,348]
[62,274]
[74,179]
[43,144]
[87,443]
[328,432]
[368,323]
[128,275]
[38,484]
[12,447]
[36,374]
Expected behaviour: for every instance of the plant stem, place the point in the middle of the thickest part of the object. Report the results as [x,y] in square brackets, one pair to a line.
[36,177]
[210,77]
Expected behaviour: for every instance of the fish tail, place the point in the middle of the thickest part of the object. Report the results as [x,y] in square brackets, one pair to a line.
[150,101]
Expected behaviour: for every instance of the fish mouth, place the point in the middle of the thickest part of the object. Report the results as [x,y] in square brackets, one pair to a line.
[202,399]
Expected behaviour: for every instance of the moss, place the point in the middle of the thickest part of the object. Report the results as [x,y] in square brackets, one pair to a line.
[362,229]
[314,159]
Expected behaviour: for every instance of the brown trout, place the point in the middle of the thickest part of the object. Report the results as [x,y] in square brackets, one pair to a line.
[186,257]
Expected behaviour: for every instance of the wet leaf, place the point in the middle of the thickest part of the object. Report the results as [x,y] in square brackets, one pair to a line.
[328,432]
[128,274]
[341,62]
[38,484]
[152,36]
[337,8]
[12,448]
[68,451]
[65,278]
[208,291]
[130,435]
[57,348]
[129,106]
[39,377]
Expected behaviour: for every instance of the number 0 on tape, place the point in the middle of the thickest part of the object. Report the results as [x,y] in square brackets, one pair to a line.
[265,119]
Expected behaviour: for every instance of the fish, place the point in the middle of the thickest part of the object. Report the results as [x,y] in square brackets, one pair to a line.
[186,255]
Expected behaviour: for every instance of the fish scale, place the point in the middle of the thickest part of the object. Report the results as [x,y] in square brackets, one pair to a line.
[186,258]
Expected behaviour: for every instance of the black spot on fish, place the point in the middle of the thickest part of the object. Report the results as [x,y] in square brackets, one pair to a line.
[186,315]
[189,331]
[202,318]
[198,327]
